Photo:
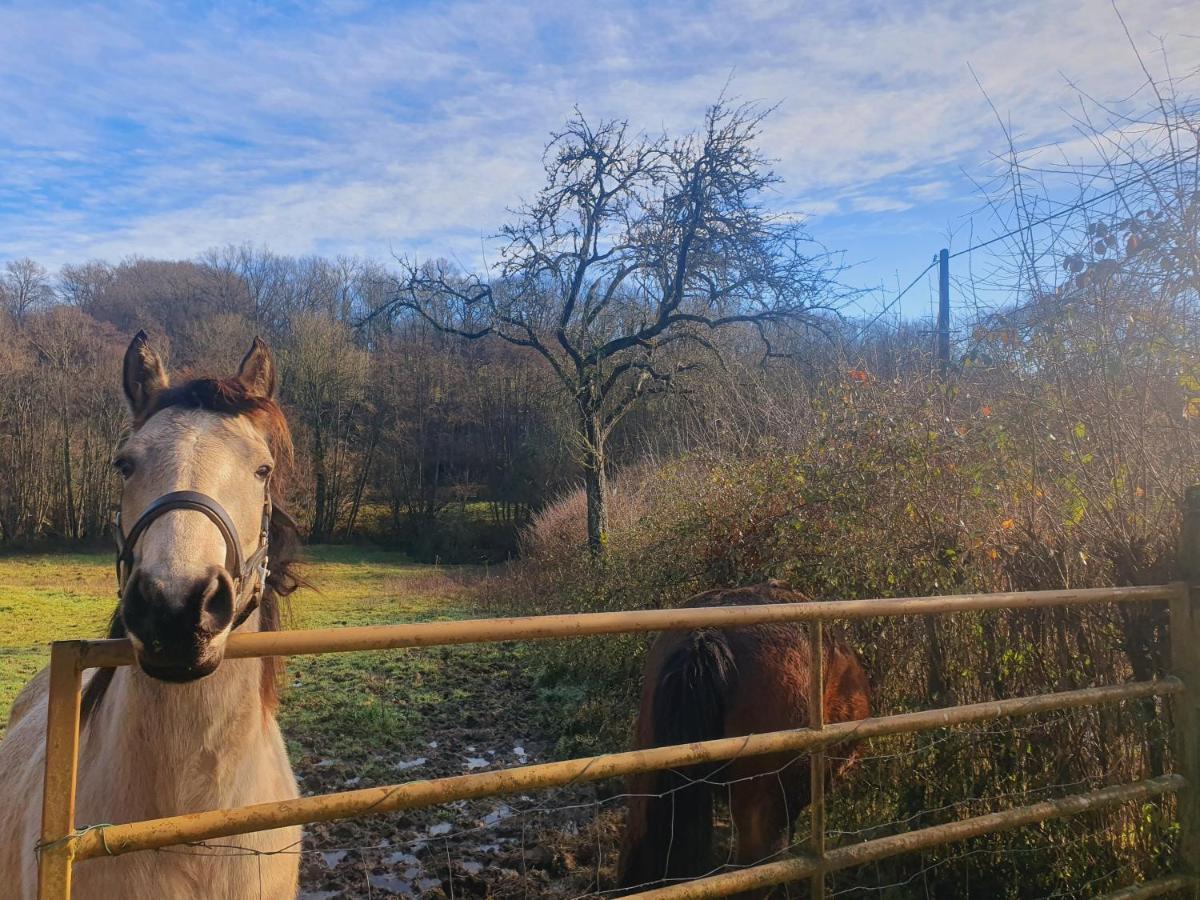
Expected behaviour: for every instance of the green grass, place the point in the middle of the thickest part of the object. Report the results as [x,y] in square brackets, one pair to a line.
[337,705]
[46,597]
[334,704]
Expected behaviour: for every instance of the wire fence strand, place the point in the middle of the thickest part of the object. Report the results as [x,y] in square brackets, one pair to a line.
[449,861]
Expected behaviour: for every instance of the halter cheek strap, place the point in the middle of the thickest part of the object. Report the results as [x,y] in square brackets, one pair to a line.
[250,575]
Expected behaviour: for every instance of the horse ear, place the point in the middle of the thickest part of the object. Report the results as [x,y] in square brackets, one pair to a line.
[144,375]
[257,371]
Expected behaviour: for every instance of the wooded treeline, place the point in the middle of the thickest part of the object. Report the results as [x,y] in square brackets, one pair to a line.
[396,425]
[635,276]
[403,433]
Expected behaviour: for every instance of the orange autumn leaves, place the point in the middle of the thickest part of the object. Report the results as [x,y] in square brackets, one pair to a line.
[1005,525]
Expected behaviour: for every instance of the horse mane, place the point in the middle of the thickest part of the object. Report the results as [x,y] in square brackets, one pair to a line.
[229,396]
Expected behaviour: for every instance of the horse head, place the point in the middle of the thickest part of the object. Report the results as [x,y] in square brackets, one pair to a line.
[194,524]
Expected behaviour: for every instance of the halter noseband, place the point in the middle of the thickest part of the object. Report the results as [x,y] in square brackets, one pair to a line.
[249,575]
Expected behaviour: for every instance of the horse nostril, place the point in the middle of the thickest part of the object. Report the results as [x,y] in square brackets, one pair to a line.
[139,605]
[216,602]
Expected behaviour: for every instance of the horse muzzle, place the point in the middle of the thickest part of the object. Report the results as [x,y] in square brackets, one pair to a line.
[178,631]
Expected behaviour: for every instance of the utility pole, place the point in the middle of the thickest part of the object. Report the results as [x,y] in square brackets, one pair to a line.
[943,319]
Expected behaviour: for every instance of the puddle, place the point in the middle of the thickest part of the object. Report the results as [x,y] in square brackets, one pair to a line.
[470,866]
[428,884]
[351,782]
[332,858]
[519,751]
[406,764]
[498,815]
[439,829]
[477,762]
[432,745]
[408,859]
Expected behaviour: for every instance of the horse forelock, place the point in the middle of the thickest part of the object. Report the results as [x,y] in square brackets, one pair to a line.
[228,396]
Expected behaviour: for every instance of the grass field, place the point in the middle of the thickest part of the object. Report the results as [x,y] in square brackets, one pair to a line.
[54,596]
[46,597]
[360,719]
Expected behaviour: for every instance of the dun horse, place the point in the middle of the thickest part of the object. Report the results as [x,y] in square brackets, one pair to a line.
[204,551]
[709,684]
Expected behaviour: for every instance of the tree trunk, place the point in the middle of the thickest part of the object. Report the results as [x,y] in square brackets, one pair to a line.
[356,504]
[71,519]
[595,480]
[319,534]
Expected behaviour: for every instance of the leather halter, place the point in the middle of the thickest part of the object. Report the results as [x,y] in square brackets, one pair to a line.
[249,575]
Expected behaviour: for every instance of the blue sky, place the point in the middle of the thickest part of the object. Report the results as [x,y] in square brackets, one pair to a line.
[163,129]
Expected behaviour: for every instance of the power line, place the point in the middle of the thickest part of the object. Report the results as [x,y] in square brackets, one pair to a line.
[900,296]
[1075,207]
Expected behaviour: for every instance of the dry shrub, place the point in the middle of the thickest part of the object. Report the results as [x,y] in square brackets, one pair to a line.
[559,530]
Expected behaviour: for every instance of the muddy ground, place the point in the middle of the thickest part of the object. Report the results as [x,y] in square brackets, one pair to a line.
[479,712]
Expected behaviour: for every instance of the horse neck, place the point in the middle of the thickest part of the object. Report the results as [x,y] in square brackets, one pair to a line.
[161,749]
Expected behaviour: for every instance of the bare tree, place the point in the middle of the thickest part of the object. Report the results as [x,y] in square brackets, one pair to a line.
[630,259]
[24,285]
[82,285]
[327,379]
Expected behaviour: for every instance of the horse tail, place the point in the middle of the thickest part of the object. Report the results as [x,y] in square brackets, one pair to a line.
[669,830]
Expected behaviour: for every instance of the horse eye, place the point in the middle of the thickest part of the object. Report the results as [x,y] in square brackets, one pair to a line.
[124,466]
[263,471]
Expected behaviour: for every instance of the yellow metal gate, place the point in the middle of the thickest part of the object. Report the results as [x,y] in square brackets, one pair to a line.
[63,844]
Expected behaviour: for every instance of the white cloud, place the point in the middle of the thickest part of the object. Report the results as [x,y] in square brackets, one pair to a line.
[372,128]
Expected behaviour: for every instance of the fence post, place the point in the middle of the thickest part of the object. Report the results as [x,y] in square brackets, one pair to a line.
[57,846]
[816,760]
[1185,662]
[943,318]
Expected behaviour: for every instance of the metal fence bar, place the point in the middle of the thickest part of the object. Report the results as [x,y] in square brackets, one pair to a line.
[119,652]
[801,867]
[816,760]
[1156,888]
[62,760]
[60,844]
[150,834]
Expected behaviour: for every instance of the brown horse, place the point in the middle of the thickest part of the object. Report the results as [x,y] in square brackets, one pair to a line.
[709,684]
